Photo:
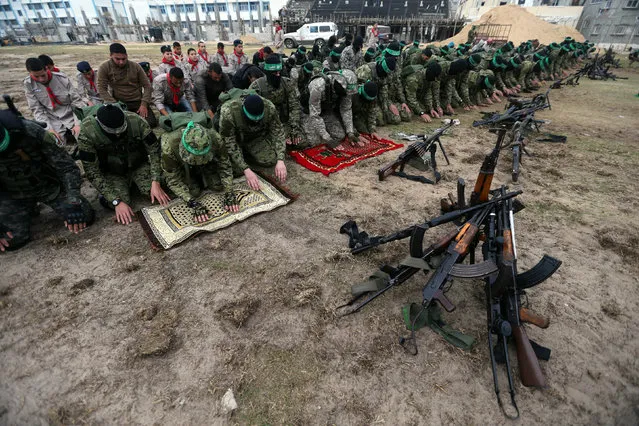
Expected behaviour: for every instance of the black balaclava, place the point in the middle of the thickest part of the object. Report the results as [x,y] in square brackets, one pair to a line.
[433,70]
[457,67]
[273,70]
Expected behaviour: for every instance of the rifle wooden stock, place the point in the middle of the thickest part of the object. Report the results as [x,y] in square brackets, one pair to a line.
[526,315]
[529,368]
[481,191]
[388,169]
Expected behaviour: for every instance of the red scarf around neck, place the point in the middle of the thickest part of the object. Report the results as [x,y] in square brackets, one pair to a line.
[171,62]
[221,53]
[91,81]
[239,56]
[56,69]
[174,90]
[193,64]
[150,75]
[278,28]
[54,99]
[203,55]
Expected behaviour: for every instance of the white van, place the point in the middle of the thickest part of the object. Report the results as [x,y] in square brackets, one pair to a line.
[311,34]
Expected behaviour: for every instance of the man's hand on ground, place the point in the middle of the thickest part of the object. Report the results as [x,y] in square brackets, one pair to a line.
[157,193]
[4,241]
[123,213]
[252,180]
[280,171]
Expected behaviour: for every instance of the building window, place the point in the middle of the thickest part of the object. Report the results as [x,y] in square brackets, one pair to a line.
[596,29]
[67,4]
[631,4]
[163,10]
[265,6]
[244,7]
[185,25]
[190,8]
[64,20]
[620,30]
[222,8]
[585,25]
[19,13]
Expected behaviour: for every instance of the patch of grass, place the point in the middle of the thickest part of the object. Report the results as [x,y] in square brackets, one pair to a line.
[278,385]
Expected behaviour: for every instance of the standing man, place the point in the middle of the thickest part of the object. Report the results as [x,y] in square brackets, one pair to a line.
[51,98]
[201,50]
[87,83]
[172,94]
[118,149]
[120,80]
[34,169]
[251,130]
[373,36]
[278,43]
[352,57]
[238,58]
[209,86]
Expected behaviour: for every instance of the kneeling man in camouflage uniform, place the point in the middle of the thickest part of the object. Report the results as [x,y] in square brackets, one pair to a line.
[194,159]
[252,132]
[34,169]
[116,148]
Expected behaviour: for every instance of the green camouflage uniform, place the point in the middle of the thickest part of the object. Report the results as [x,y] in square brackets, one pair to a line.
[185,180]
[286,101]
[263,141]
[447,83]
[407,54]
[419,91]
[525,75]
[35,170]
[368,72]
[113,165]
[477,93]
[364,115]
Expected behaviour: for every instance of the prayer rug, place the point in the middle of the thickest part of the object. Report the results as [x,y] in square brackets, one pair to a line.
[328,160]
[174,224]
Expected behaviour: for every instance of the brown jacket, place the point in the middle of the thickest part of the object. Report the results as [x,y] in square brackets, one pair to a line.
[127,84]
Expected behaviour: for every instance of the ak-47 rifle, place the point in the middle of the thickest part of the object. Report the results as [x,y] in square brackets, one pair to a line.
[389,277]
[516,110]
[426,145]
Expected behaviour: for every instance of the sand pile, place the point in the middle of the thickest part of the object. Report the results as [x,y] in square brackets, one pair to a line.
[525,26]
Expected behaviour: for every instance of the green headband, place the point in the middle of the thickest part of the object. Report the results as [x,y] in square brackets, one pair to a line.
[496,65]
[513,63]
[272,67]
[334,53]
[5,141]
[393,52]
[416,43]
[251,116]
[541,64]
[363,93]
[188,147]
[385,67]
[472,61]
[487,83]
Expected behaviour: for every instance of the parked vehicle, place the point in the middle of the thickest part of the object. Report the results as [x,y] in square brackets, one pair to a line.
[310,34]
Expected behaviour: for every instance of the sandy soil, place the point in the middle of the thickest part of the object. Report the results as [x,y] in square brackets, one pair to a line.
[98,328]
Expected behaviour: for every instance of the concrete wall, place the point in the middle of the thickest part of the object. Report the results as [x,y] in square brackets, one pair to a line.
[611,23]
[562,15]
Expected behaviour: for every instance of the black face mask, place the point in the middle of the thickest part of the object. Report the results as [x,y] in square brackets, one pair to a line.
[273,80]
[339,89]
[380,71]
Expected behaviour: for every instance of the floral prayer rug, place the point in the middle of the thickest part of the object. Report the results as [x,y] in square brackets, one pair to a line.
[328,160]
[174,224]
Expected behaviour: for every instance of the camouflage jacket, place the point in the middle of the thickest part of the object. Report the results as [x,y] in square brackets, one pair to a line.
[58,116]
[34,167]
[323,97]
[180,176]
[101,155]
[418,91]
[368,72]
[476,93]
[364,115]
[351,60]
[236,63]
[237,130]
[162,93]
[525,75]
[285,99]
[332,66]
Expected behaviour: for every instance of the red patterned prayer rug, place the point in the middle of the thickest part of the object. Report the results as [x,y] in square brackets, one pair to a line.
[328,160]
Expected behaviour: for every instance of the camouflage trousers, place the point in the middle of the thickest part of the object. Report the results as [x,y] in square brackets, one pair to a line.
[16,215]
[361,117]
[119,184]
[387,117]
[327,128]
[260,152]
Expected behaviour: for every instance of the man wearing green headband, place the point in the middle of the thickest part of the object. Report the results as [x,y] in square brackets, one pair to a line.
[379,72]
[481,84]
[526,77]
[332,62]
[399,109]
[252,132]
[193,159]
[418,83]
[34,169]
[281,91]
[118,149]
[365,108]
[409,52]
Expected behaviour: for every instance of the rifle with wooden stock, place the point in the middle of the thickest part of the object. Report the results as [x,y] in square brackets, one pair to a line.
[424,149]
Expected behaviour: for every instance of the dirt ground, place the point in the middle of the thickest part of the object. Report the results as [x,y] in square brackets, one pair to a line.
[100,329]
